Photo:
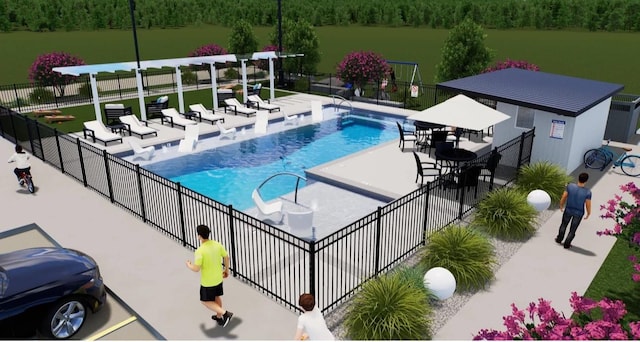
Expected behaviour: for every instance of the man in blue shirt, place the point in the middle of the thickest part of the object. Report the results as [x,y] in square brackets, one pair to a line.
[573,203]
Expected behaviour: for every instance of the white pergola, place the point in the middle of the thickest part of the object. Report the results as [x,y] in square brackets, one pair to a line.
[176,63]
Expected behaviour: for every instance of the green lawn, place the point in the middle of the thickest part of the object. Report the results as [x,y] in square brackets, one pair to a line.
[604,56]
[613,280]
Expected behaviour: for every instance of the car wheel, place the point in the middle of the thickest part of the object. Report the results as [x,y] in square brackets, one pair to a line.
[64,319]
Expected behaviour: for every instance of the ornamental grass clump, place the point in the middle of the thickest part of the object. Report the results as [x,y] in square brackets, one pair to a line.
[544,176]
[505,214]
[389,308]
[465,252]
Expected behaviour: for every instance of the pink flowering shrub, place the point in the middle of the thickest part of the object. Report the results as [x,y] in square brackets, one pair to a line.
[41,72]
[512,64]
[263,63]
[360,67]
[626,216]
[207,50]
[595,320]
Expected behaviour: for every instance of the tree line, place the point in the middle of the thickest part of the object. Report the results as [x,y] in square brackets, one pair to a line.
[70,15]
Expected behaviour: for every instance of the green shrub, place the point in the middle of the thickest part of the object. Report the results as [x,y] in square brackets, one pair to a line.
[389,308]
[505,214]
[41,95]
[189,77]
[414,276]
[301,85]
[544,176]
[465,252]
[260,74]
[231,74]
[85,90]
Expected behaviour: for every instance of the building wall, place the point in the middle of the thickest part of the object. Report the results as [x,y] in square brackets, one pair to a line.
[580,134]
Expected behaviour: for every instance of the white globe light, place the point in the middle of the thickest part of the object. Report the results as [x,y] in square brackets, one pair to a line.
[539,199]
[441,282]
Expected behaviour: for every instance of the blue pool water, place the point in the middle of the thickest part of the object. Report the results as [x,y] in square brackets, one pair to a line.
[229,174]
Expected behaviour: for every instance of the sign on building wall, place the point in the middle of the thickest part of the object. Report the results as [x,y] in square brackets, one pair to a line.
[557,129]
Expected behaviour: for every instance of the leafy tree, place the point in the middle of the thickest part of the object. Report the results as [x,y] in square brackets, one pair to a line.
[299,37]
[464,53]
[41,72]
[242,40]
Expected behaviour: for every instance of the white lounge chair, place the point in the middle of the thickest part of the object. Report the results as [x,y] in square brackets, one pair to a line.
[98,131]
[238,107]
[226,132]
[191,136]
[300,222]
[206,114]
[172,116]
[316,111]
[145,153]
[261,104]
[268,209]
[291,119]
[262,122]
[135,126]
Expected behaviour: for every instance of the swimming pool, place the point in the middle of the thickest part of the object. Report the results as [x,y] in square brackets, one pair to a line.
[229,173]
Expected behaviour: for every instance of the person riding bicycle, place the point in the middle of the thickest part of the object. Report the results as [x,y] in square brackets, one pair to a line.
[21,158]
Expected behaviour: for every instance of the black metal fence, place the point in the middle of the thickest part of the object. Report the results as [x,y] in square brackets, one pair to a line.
[275,262]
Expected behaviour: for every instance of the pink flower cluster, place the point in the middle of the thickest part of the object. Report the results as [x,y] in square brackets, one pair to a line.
[208,50]
[41,71]
[361,67]
[262,63]
[545,323]
[626,216]
[512,64]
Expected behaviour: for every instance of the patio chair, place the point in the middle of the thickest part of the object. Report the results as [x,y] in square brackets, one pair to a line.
[262,122]
[437,136]
[267,209]
[441,146]
[191,135]
[468,177]
[238,107]
[172,116]
[489,169]
[260,104]
[135,126]
[145,153]
[226,132]
[317,114]
[206,114]
[154,109]
[96,130]
[113,112]
[406,136]
[429,169]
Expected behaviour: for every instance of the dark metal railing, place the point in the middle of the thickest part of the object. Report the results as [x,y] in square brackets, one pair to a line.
[277,263]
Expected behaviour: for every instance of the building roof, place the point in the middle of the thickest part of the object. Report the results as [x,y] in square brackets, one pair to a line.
[564,95]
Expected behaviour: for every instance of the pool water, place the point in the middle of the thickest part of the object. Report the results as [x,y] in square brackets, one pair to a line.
[230,173]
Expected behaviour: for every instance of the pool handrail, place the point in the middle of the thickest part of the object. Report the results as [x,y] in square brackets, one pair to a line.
[298,178]
[342,99]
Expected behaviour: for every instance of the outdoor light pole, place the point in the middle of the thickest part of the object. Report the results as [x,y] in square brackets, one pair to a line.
[280,70]
[132,8]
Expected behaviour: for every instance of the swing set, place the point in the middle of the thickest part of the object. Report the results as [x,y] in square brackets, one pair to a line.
[406,72]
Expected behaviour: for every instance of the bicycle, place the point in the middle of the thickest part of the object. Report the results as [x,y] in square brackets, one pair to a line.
[599,158]
[27,180]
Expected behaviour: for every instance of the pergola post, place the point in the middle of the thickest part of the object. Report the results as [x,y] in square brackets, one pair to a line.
[243,62]
[180,95]
[96,98]
[143,107]
[272,91]
[214,85]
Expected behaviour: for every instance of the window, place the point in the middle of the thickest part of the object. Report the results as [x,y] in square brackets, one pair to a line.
[525,116]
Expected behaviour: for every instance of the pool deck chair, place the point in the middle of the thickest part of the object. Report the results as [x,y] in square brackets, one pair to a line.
[226,132]
[205,114]
[316,111]
[135,126]
[191,135]
[291,119]
[172,116]
[262,122]
[96,130]
[261,104]
[145,153]
[237,107]
[268,210]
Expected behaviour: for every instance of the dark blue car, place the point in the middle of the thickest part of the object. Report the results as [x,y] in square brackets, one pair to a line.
[49,290]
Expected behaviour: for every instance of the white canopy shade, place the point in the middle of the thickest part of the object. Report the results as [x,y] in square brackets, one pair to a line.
[461,111]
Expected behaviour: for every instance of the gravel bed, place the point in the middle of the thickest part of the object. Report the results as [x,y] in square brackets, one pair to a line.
[446,309]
